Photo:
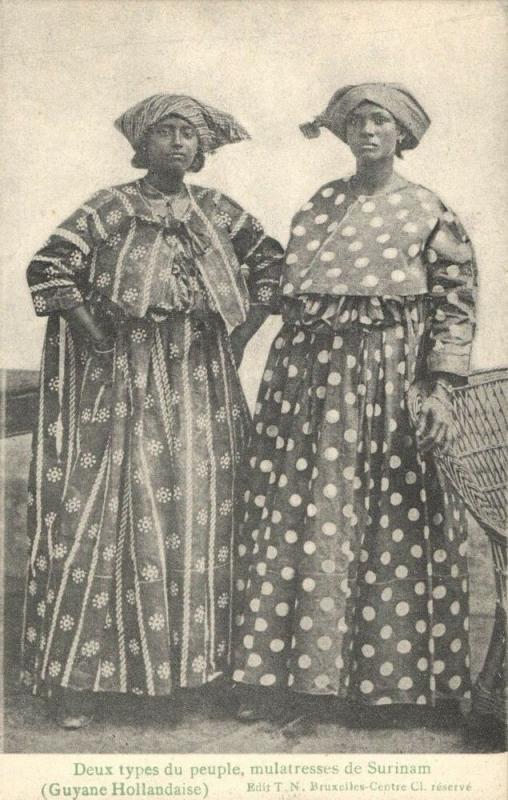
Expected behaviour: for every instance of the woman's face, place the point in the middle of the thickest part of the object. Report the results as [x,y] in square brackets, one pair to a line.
[372,132]
[172,145]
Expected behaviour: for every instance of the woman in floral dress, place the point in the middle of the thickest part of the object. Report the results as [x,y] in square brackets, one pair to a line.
[355,579]
[142,421]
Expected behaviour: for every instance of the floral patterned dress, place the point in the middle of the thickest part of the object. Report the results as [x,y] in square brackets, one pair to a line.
[136,452]
[353,577]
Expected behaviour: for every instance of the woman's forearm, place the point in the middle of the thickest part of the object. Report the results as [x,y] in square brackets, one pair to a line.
[82,321]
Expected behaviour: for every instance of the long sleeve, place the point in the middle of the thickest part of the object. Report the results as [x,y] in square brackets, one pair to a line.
[259,255]
[58,273]
[452,282]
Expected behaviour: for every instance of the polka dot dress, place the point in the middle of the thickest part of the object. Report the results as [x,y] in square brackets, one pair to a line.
[353,576]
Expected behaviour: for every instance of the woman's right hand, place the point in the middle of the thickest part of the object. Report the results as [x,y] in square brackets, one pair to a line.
[83,322]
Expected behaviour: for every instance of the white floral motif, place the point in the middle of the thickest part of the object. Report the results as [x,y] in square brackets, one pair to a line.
[102,415]
[73,504]
[134,647]
[145,524]
[199,614]
[49,518]
[221,648]
[54,668]
[138,428]
[76,258]
[163,494]
[30,499]
[87,460]
[113,216]
[59,550]
[122,363]
[222,219]
[264,293]
[117,457]
[78,575]
[174,540]
[39,302]
[163,670]
[236,411]
[138,335]
[67,622]
[223,600]
[150,572]
[130,295]
[86,415]
[107,669]
[137,691]
[113,240]
[41,563]
[225,507]
[177,493]
[223,553]
[109,552]
[54,384]
[81,224]
[200,566]
[149,402]
[154,447]
[138,252]
[103,280]
[156,621]
[90,648]
[215,367]
[140,380]
[50,596]
[96,374]
[121,408]
[222,289]
[174,397]
[113,505]
[225,461]
[198,664]
[41,608]
[202,516]
[137,476]
[220,414]
[201,421]
[202,469]
[200,373]
[130,596]
[108,622]
[31,634]
[173,588]
[100,600]
[52,429]
[93,530]
[32,587]
[173,350]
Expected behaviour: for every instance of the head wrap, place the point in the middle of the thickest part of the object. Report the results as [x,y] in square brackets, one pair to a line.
[393,97]
[214,128]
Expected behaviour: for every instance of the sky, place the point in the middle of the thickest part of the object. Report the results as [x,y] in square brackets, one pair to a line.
[70,68]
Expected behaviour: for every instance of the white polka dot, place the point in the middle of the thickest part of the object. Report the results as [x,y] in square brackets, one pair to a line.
[360,263]
[402,608]
[311,510]
[440,556]
[350,435]
[327,603]
[276,645]
[348,231]
[287,573]
[439,592]
[320,219]
[387,594]
[368,651]
[304,661]
[366,687]
[413,514]
[456,645]
[376,222]
[295,500]
[282,609]
[401,571]
[291,537]
[266,587]
[421,626]
[299,230]
[309,547]
[410,477]
[439,629]
[306,623]
[328,566]
[340,199]
[330,491]
[370,577]
[370,281]
[390,252]
[398,276]
[368,613]
[254,660]
[266,466]
[327,192]
[313,245]
[416,551]
[404,646]
[355,246]
[383,238]
[324,643]
[394,199]
[420,588]
[397,535]
[307,206]
[386,668]
[386,631]
[260,624]
[267,680]
[438,667]
[291,259]
[455,608]
[327,255]
[413,250]
[321,681]
[455,682]
[385,558]
[405,683]
[308,584]
[396,499]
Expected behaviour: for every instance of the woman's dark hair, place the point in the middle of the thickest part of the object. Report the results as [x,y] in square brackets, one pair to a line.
[139,158]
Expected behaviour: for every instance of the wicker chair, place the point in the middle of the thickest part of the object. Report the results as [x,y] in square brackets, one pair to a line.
[477,467]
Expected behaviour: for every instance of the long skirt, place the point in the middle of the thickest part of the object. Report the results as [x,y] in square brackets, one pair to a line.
[352,575]
[131,509]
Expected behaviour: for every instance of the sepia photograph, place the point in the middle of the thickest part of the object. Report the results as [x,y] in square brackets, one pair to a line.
[255,395]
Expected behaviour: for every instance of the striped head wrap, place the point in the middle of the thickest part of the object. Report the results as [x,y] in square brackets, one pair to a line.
[393,97]
[214,128]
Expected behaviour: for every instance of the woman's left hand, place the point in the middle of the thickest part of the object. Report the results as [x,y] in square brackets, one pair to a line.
[435,426]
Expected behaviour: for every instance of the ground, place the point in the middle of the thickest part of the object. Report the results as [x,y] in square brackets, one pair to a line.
[124,726]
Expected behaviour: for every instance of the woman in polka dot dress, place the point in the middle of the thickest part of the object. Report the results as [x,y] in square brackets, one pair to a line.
[353,575]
